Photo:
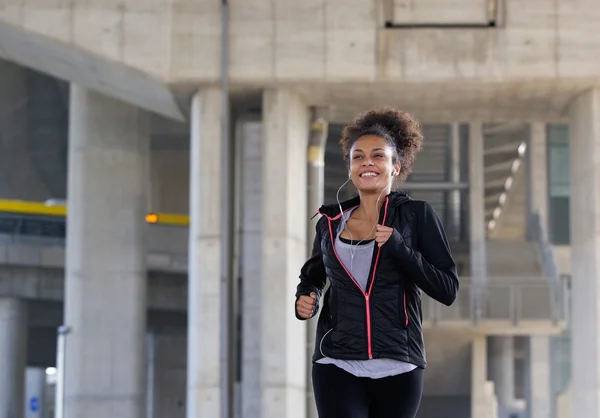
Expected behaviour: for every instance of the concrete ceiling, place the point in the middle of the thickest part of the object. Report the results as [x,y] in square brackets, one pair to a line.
[436,101]
[66,62]
[452,101]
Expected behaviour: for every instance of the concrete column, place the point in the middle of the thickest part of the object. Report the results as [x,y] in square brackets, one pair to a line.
[477,225]
[455,198]
[502,371]
[285,134]
[538,171]
[105,285]
[315,186]
[204,271]
[483,402]
[539,400]
[249,144]
[584,128]
[35,392]
[13,356]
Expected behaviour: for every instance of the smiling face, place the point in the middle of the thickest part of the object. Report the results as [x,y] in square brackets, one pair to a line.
[373,165]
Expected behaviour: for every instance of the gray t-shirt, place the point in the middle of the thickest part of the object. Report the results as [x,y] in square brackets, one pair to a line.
[357,260]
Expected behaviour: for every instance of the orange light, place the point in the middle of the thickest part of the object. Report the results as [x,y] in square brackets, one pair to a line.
[151,218]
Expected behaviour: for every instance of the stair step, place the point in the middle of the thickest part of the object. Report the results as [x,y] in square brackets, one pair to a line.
[513,258]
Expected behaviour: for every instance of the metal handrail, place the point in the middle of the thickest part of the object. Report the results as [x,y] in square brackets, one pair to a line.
[549,267]
[166,245]
[512,298]
[507,299]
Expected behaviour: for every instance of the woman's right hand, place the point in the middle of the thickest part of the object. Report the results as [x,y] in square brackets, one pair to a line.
[305,305]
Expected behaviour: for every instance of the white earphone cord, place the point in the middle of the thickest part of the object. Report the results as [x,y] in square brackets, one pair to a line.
[352,252]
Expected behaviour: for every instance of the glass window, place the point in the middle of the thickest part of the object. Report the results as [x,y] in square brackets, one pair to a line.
[559,184]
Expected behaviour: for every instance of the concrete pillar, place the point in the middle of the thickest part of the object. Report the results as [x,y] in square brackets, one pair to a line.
[538,171]
[483,401]
[477,224]
[539,400]
[285,135]
[249,143]
[105,285]
[35,392]
[204,270]
[502,371]
[584,128]
[455,177]
[315,185]
[13,356]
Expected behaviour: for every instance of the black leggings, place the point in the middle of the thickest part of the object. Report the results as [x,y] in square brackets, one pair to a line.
[339,394]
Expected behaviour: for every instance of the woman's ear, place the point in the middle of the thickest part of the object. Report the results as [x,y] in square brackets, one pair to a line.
[397,169]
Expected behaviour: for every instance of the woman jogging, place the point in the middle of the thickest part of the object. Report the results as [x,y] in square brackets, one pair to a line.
[378,251]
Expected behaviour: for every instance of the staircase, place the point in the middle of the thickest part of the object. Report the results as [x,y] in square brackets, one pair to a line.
[514,258]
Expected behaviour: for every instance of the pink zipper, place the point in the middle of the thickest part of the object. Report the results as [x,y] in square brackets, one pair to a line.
[365,294]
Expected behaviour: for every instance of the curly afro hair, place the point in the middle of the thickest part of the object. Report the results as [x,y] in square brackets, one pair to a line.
[400,130]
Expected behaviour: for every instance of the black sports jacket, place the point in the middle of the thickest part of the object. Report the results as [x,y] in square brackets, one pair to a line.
[385,320]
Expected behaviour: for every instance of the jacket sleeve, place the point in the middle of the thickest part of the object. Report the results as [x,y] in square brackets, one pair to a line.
[312,275]
[432,269]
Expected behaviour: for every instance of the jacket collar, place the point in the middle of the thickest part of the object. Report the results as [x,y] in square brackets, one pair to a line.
[332,211]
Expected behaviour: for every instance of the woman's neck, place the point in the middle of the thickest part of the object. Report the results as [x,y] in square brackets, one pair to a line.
[370,205]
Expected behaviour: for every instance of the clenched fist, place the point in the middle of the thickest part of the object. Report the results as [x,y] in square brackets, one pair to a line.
[305,305]
[383,234]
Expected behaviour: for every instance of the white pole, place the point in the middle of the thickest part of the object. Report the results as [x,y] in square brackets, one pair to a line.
[63,330]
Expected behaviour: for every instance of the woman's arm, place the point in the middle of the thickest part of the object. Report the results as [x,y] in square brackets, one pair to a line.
[432,269]
[312,275]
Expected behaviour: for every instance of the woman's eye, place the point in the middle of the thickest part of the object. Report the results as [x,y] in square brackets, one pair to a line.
[356,157]
[379,155]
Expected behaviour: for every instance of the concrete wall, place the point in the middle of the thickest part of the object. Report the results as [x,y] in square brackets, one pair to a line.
[166,249]
[529,66]
[34,141]
[48,119]
[447,390]
[166,374]
[563,258]
[169,166]
[169,188]
[320,39]
[19,178]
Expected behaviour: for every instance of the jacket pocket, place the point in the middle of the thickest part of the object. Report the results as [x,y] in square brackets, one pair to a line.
[402,307]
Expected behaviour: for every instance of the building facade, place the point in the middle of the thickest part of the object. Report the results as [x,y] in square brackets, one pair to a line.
[207,115]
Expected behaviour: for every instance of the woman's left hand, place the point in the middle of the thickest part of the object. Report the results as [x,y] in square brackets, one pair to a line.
[383,234]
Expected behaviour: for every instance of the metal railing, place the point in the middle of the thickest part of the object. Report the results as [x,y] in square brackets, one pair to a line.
[506,299]
[29,237]
[500,298]
[27,226]
[548,260]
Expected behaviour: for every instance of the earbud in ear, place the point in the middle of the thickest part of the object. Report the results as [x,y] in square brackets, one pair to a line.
[349,175]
